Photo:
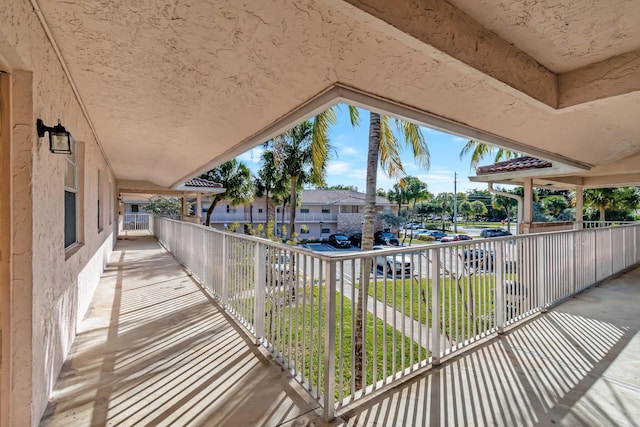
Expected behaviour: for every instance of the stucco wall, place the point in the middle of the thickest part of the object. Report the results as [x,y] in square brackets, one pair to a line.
[60,284]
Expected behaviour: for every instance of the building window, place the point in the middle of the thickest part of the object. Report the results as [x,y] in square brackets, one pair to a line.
[71,198]
[326,209]
[304,210]
[304,229]
[100,226]
[135,208]
[231,209]
[259,210]
[325,230]
[110,201]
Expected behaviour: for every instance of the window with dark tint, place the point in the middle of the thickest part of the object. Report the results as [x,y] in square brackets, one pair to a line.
[71,197]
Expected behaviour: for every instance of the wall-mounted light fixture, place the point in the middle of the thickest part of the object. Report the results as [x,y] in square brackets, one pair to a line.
[59,137]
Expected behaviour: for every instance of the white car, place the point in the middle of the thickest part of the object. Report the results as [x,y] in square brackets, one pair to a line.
[398,263]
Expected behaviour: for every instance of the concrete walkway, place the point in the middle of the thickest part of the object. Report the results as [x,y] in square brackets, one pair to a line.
[154,350]
[421,333]
[577,365]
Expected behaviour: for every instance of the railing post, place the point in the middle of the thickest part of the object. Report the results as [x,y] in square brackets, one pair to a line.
[542,270]
[330,341]
[435,307]
[259,290]
[225,267]
[499,291]
[574,262]
[611,249]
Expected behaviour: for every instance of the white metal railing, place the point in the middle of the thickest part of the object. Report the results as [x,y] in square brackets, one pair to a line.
[600,224]
[423,303]
[262,217]
[135,221]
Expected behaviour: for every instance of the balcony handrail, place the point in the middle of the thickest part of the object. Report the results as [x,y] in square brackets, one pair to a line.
[424,303]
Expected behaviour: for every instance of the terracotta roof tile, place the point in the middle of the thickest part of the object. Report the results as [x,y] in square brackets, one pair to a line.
[202,183]
[512,165]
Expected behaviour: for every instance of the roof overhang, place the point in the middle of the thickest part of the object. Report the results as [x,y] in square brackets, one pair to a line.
[171,92]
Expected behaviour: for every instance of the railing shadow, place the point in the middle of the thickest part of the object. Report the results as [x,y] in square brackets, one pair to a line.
[163,353]
[532,375]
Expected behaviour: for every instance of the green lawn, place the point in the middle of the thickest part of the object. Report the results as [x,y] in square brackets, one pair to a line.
[296,329]
[467,303]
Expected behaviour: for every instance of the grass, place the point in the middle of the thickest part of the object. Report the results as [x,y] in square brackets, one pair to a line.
[467,303]
[297,331]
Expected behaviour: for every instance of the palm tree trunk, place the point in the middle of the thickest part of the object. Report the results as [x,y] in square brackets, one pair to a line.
[214,202]
[294,202]
[367,244]
[602,213]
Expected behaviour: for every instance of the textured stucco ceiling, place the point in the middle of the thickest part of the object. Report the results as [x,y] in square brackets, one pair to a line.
[562,35]
[175,88]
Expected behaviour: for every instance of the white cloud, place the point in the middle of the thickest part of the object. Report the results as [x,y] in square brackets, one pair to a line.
[349,151]
[251,156]
[335,168]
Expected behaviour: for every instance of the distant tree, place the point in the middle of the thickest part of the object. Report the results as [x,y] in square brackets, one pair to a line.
[554,205]
[235,177]
[478,208]
[465,209]
[610,199]
[271,183]
[414,191]
[303,154]
[341,187]
[507,204]
[444,204]
[164,206]
[398,195]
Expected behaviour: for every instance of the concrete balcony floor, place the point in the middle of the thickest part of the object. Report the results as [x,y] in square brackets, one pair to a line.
[155,350]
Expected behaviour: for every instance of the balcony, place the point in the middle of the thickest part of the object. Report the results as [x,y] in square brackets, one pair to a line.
[262,217]
[536,345]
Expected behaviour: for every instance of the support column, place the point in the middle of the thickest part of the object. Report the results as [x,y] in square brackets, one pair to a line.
[16,259]
[579,206]
[199,207]
[527,215]
[185,206]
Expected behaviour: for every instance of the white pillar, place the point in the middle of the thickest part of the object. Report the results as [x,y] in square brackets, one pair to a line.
[527,215]
[579,206]
[199,207]
[185,206]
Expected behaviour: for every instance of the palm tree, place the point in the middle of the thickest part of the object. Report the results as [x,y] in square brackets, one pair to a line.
[384,149]
[271,183]
[303,152]
[235,177]
[480,150]
[611,198]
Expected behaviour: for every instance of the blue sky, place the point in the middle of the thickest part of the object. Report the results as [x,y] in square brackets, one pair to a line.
[348,164]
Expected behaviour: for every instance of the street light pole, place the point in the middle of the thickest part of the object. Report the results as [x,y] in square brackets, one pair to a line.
[455,202]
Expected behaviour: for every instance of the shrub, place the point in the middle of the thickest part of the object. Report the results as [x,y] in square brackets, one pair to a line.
[425,238]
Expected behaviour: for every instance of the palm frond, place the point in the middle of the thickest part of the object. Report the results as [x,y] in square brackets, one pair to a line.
[354,115]
[414,140]
[389,151]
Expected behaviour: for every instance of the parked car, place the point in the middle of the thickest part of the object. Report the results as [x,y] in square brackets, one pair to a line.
[478,259]
[494,232]
[339,241]
[455,238]
[280,269]
[398,263]
[436,234]
[356,239]
[385,238]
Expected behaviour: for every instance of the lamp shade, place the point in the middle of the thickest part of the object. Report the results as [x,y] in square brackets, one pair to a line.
[59,137]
